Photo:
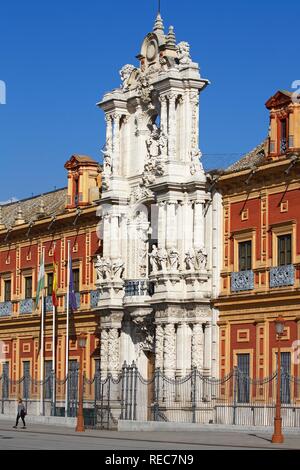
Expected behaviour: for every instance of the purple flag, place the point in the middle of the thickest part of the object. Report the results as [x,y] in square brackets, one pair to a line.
[72,296]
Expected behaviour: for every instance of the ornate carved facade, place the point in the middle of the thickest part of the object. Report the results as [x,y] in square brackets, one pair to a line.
[160,264]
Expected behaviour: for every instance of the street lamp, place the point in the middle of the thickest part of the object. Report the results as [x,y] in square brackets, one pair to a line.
[80,420]
[277,437]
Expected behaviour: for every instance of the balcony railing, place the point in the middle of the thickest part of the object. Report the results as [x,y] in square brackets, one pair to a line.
[94,298]
[241,281]
[281,276]
[26,306]
[138,287]
[5,309]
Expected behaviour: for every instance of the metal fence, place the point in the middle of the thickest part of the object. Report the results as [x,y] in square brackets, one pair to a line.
[235,399]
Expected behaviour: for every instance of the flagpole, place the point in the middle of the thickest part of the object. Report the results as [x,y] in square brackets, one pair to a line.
[67,329]
[54,342]
[42,340]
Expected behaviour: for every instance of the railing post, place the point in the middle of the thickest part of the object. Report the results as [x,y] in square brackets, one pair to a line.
[134,390]
[130,391]
[123,391]
[156,394]
[235,390]
[108,400]
[126,391]
[194,378]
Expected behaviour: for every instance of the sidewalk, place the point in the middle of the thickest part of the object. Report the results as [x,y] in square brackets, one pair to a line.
[38,436]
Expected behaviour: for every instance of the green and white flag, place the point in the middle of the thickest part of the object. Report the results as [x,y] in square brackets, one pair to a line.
[41,280]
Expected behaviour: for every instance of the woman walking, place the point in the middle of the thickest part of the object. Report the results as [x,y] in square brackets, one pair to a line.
[21,413]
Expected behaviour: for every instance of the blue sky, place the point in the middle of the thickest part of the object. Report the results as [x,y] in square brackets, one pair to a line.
[58,57]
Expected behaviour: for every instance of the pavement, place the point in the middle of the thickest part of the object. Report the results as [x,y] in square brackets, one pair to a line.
[46,437]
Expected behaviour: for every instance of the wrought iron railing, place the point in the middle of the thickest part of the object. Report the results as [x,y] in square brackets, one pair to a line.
[242,281]
[138,287]
[235,399]
[283,145]
[94,298]
[5,309]
[281,276]
[26,306]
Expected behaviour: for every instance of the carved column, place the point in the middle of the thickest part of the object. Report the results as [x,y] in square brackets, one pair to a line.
[164,120]
[172,126]
[171,238]
[113,352]
[183,349]
[162,225]
[116,144]
[109,131]
[170,350]
[159,347]
[198,225]
[106,235]
[207,346]
[194,98]
[197,346]
[104,352]
[114,236]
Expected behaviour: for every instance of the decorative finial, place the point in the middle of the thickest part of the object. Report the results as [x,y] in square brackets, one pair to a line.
[171,38]
[42,207]
[159,25]
[19,219]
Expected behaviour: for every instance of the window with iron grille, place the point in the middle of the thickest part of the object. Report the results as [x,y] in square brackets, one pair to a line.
[283,136]
[284,250]
[26,375]
[285,389]
[243,364]
[76,280]
[49,283]
[7,291]
[245,256]
[48,378]
[28,287]
[5,380]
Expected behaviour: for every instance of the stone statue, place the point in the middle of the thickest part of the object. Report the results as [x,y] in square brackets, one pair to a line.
[153,142]
[183,50]
[162,257]
[103,268]
[201,257]
[107,160]
[174,259]
[196,165]
[190,259]
[125,74]
[153,259]
[118,269]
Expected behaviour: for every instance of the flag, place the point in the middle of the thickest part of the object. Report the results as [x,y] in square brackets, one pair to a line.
[41,280]
[72,296]
[55,283]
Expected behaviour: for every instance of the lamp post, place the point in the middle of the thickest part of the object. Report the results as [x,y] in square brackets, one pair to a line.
[277,437]
[80,420]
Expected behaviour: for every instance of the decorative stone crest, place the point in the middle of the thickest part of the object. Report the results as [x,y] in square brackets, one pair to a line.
[140,192]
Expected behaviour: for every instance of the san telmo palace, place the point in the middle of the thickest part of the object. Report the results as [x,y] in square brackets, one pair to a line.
[174,268]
